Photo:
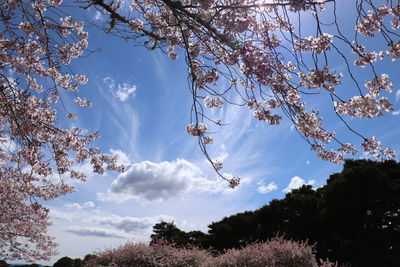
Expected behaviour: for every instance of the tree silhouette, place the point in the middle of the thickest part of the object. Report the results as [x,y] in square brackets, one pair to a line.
[353,219]
[168,232]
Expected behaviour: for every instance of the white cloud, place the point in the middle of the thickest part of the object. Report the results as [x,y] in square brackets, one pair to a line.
[96,231]
[263,189]
[97,16]
[308,162]
[89,204]
[297,182]
[73,206]
[59,215]
[398,95]
[132,224]
[159,181]
[77,206]
[395,113]
[120,91]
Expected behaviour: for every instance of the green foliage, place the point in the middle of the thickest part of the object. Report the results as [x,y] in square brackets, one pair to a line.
[68,262]
[168,232]
[88,258]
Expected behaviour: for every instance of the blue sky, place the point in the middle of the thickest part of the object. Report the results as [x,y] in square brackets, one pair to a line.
[141,106]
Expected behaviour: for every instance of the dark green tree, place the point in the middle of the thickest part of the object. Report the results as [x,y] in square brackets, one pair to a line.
[168,232]
[362,214]
[68,262]
[88,258]
[234,231]
[198,239]
[354,218]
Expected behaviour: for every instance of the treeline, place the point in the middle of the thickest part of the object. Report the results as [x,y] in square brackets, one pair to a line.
[353,219]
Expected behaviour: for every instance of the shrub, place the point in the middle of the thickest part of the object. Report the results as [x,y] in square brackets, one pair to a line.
[274,253]
[157,255]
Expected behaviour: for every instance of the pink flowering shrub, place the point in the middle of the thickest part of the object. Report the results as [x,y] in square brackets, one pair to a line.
[131,254]
[274,253]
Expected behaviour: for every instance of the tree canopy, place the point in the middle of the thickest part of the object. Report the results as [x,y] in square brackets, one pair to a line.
[354,218]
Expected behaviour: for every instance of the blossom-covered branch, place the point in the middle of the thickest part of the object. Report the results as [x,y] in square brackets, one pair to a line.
[259,49]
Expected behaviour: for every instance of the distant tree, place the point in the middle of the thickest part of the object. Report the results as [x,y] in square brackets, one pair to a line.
[78,262]
[68,262]
[168,232]
[233,232]
[88,258]
[64,262]
[198,239]
[297,216]
[3,263]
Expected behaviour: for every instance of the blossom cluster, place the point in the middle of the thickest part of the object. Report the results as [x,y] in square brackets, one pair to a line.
[320,79]
[213,102]
[318,44]
[373,21]
[197,129]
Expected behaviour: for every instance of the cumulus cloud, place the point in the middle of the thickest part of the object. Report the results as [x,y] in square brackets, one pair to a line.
[131,224]
[59,215]
[396,113]
[122,91]
[297,182]
[264,189]
[89,204]
[398,95]
[96,231]
[77,206]
[159,181]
